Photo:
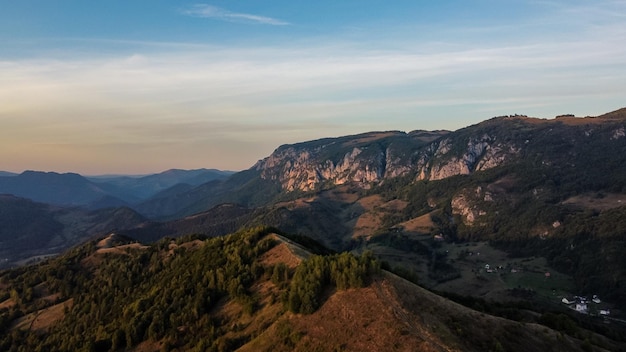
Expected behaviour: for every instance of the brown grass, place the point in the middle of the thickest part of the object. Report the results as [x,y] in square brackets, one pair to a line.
[366,319]
[368,203]
[42,319]
[121,249]
[8,303]
[104,247]
[566,120]
[148,346]
[341,194]
[51,298]
[369,220]
[395,205]
[422,224]
[106,242]
[366,224]
[187,245]
[592,201]
[295,250]
[280,254]
[374,136]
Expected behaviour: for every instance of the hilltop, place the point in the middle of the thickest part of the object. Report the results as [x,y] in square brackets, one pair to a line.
[512,216]
[244,291]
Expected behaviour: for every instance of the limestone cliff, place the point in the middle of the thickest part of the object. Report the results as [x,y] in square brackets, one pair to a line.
[372,158]
[305,168]
[478,154]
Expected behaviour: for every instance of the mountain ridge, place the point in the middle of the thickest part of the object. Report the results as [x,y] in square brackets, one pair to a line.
[194,293]
[507,182]
[31,231]
[514,187]
[72,189]
[372,158]
[305,166]
[510,212]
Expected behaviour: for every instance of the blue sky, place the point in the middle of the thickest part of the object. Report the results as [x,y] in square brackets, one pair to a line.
[141,86]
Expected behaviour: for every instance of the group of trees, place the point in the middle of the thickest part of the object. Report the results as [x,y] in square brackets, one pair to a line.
[166,292]
[317,273]
[163,292]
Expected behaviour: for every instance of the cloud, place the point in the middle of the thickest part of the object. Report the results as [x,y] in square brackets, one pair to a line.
[205,89]
[201,102]
[209,11]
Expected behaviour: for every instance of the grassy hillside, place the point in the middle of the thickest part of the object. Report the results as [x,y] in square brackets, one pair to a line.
[252,291]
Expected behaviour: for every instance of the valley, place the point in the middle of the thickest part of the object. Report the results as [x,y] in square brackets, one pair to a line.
[508,217]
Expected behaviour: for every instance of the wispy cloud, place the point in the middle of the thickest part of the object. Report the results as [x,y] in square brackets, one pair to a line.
[209,11]
[211,103]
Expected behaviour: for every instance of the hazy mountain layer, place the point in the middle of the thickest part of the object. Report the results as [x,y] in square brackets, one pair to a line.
[71,189]
[30,231]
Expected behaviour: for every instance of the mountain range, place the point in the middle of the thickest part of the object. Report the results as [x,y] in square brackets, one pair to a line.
[514,210]
[547,188]
[71,189]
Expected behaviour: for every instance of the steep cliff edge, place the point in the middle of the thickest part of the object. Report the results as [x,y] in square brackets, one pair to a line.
[371,158]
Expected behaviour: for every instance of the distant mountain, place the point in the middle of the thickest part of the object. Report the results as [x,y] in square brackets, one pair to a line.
[52,188]
[529,187]
[364,158]
[24,223]
[31,230]
[544,200]
[70,189]
[514,216]
[218,221]
[371,159]
[245,188]
[147,186]
[310,167]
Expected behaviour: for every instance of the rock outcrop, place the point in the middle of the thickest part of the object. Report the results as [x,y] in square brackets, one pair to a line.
[364,161]
[305,170]
[372,158]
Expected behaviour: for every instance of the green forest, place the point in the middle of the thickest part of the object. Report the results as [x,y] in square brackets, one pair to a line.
[165,292]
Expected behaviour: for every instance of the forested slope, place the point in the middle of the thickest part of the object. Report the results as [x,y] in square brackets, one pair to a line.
[252,290]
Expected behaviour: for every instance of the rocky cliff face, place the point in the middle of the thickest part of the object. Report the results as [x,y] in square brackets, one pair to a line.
[479,154]
[380,156]
[304,170]
[374,157]
[467,204]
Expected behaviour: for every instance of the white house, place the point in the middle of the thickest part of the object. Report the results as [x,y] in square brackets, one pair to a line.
[566,301]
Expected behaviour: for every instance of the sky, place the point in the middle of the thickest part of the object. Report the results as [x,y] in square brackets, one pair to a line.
[141,86]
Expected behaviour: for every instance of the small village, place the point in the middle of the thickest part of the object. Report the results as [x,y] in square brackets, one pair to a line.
[582,304]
